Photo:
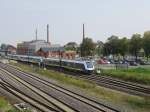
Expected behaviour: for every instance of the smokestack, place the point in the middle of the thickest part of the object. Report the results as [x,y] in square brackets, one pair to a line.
[83,33]
[47,33]
[36,34]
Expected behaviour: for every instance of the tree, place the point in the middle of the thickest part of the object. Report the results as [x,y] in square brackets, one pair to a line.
[3,46]
[123,46]
[87,47]
[146,44]
[71,46]
[135,44]
[111,46]
[106,49]
[99,48]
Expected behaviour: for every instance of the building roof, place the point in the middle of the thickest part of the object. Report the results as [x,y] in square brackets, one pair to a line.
[10,46]
[50,49]
[55,45]
[33,42]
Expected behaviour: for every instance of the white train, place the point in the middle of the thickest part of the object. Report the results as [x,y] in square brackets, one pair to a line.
[84,66]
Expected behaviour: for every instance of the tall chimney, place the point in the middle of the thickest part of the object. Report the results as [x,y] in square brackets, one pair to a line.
[36,34]
[47,33]
[83,33]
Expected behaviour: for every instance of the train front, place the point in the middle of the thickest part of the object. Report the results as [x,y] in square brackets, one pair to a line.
[89,66]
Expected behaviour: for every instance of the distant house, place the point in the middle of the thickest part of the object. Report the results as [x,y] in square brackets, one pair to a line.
[11,49]
[56,52]
[7,49]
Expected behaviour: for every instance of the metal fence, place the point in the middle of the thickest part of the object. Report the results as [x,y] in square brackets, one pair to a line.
[111,66]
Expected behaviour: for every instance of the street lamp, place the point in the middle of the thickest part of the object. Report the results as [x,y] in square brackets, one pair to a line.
[60,58]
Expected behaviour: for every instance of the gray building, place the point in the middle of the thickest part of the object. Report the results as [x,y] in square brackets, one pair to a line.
[31,47]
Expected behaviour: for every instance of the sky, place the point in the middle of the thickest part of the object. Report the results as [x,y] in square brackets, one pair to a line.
[102,18]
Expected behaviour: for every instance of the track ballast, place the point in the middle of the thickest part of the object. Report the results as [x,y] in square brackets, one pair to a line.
[71,99]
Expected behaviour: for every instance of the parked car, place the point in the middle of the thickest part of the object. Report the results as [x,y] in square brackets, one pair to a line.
[106,61]
[125,62]
[111,61]
[101,61]
[143,63]
[148,62]
[132,63]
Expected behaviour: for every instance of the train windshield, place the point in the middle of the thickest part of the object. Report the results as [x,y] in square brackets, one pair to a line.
[89,64]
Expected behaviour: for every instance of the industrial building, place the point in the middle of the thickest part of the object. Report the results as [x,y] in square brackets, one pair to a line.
[31,47]
[44,48]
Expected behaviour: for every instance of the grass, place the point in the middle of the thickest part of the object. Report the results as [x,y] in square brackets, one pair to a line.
[124,101]
[5,106]
[137,75]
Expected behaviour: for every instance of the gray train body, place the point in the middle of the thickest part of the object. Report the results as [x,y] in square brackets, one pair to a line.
[84,66]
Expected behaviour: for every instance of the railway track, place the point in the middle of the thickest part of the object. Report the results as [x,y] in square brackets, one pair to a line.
[50,99]
[128,87]
[113,83]
[109,82]
[36,102]
[74,101]
[40,106]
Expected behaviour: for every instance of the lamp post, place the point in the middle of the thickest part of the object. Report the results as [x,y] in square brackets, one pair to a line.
[28,55]
[60,58]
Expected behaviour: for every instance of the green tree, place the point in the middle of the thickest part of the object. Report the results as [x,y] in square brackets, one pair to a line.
[4,46]
[135,44]
[99,48]
[146,44]
[87,47]
[111,46]
[71,46]
[106,49]
[123,46]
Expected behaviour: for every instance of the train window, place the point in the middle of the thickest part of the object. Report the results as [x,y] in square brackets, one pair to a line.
[64,63]
[79,66]
[89,65]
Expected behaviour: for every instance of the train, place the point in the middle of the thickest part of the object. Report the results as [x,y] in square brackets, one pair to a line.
[85,66]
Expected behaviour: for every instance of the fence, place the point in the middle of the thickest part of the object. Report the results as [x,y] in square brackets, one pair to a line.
[111,66]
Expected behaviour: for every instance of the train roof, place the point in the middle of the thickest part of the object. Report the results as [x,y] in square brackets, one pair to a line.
[66,60]
[26,56]
[56,59]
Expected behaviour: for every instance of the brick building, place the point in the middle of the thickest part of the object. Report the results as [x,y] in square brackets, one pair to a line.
[56,52]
